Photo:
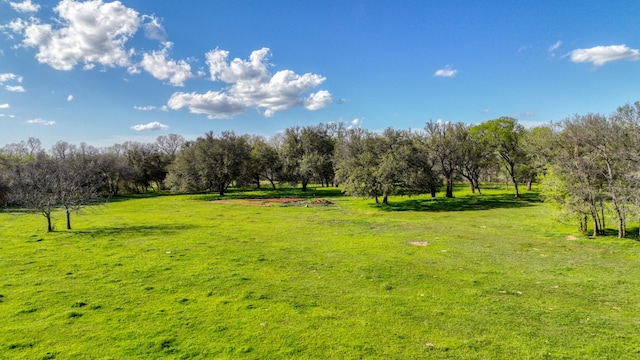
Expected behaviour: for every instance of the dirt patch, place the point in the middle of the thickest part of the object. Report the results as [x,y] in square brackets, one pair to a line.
[419,243]
[320,202]
[259,202]
[572,238]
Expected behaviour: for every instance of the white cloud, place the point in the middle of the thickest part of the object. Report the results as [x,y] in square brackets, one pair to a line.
[70,98]
[447,71]
[157,64]
[10,77]
[90,32]
[355,123]
[153,29]
[40,121]
[318,100]
[238,70]
[252,86]
[25,6]
[144,108]
[152,126]
[16,25]
[4,106]
[600,55]
[555,46]
[16,88]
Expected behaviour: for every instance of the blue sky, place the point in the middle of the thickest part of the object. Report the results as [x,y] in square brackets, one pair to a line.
[105,72]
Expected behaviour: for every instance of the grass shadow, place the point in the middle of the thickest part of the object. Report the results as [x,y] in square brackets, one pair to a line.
[133,229]
[264,193]
[465,203]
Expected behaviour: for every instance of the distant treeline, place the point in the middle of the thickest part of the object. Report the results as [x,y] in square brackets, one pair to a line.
[587,164]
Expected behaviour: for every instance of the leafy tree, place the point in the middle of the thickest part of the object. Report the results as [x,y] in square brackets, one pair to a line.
[505,136]
[307,153]
[372,165]
[357,162]
[265,161]
[536,144]
[209,164]
[445,143]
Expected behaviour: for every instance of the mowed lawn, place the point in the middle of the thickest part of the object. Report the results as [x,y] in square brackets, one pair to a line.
[189,277]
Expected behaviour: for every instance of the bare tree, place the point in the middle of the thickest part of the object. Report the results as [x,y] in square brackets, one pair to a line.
[35,185]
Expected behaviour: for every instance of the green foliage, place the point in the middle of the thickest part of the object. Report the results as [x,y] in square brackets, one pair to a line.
[187,277]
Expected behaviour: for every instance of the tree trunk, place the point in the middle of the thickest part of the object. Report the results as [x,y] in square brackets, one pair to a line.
[305,182]
[529,184]
[49,225]
[449,193]
[385,199]
[68,213]
[594,215]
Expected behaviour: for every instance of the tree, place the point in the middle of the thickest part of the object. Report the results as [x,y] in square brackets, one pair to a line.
[78,177]
[595,161]
[375,166]
[209,164]
[265,161]
[445,143]
[505,136]
[536,144]
[170,145]
[307,154]
[356,164]
[35,184]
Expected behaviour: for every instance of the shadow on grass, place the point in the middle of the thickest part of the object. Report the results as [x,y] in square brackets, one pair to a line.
[133,230]
[466,203]
[264,193]
[126,197]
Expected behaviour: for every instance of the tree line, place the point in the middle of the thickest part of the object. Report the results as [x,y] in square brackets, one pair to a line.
[586,164]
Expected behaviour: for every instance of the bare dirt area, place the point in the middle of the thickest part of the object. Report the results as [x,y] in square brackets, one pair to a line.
[260,202]
[277,202]
[419,243]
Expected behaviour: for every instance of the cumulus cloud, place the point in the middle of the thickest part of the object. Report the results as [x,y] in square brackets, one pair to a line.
[88,33]
[447,71]
[162,68]
[16,88]
[152,126]
[318,100]
[251,86]
[4,106]
[40,121]
[600,55]
[25,6]
[70,98]
[238,70]
[15,25]
[144,108]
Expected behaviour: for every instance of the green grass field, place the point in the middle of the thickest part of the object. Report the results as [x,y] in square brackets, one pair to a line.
[190,277]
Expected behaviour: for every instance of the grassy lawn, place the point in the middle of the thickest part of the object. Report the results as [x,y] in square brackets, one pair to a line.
[190,277]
